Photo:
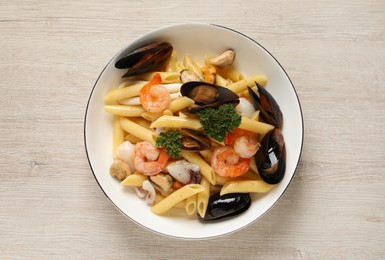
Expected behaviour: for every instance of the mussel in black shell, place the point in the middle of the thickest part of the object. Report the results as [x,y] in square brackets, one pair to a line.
[145,58]
[194,141]
[227,205]
[208,95]
[268,107]
[271,157]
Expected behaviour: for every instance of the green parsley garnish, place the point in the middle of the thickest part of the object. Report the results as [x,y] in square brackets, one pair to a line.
[217,122]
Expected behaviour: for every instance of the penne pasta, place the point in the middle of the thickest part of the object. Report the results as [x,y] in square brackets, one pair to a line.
[141,121]
[203,197]
[138,130]
[124,92]
[204,167]
[191,204]
[180,104]
[180,205]
[230,73]
[117,135]
[176,197]
[255,126]
[191,64]
[151,116]
[135,180]
[220,81]
[120,110]
[132,139]
[176,122]
[167,76]
[242,85]
[133,101]
[246,186]
[171,63]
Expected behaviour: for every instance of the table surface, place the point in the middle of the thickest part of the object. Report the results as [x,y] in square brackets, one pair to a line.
[51,55]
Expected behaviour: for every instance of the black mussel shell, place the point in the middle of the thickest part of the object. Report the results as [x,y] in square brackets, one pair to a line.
[194,141]
[267,105]
[208,95]
[204,93]
[227,205]
[271,157]
[145,58]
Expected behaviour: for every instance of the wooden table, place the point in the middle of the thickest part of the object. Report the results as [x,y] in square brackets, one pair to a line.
[51,55]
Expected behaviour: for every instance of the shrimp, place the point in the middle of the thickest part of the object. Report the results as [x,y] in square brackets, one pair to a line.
[245,143]
[149,159]
[226,162]
[153,96]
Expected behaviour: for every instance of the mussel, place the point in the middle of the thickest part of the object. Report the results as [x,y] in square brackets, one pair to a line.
[225,206]
[194,141]
[208,95]
[145,58]
[269,108]
[271,157]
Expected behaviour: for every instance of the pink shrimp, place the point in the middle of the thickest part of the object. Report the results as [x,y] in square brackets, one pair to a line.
[149,159]
[226,162]
[155,97]
[245,143]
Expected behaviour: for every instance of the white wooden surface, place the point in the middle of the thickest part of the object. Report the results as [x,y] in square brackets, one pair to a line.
[51,54]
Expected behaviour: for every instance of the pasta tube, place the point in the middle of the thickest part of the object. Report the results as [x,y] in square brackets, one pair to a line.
[255,126]
[121,110]
[135,179]
[138,130]
[246,187]
[180,103]
[176,197]
[167,76]
[177,122]
[191,204]
[117,135]
[242,85]
[125,92]
[203,197]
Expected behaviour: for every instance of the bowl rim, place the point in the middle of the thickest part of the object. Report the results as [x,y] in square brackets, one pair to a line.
[193,24]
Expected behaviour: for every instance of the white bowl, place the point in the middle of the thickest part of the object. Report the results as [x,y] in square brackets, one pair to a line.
[198,40]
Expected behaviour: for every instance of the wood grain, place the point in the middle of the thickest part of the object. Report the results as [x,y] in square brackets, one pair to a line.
[53,51]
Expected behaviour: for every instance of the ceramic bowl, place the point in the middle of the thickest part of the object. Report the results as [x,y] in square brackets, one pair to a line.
[197,40]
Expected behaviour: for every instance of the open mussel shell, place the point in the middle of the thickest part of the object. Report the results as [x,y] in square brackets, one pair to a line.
[194,141]
[268,106]
[271,157]
[231,204]
[145,58]
[208,95]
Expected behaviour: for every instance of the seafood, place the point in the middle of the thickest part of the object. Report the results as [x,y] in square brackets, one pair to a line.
[269,108]
[153,96]
[145,58]
[185,172]
[188,75]
[208,95]
[226,162]
[149,159]
[151,194]
[162,182]
[208,73]
[119,169]
[226,205]
[125,152]
[271,157]
[245,143]
[245,108]
[194,141]
[224,59]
